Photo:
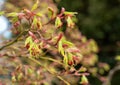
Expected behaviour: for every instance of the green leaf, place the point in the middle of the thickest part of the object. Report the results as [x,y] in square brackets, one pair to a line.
[19,77]
[70,58]
[28,40]
[58,22]
[31,46]
[1,13]
[70,22]
[65,60]
[14,79]
[39,14]
[36,47]
[51,12]
[60,48]
[70,13]
[34,23]
[35,6]
[84,39]
[101,71]
[14,19]
[117,58]
[93,46]
[30,71]
[13,14]
[106,67]
[84,80]
[82,69]
[68,43]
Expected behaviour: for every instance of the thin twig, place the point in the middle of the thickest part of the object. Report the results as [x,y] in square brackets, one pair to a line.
[49,21]
[110,75]
[58,76]
[51,59]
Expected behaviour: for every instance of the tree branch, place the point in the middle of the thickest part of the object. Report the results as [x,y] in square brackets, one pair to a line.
[110,75]
[13,41]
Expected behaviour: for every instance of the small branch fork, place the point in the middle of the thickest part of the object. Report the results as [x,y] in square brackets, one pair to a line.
[16,39]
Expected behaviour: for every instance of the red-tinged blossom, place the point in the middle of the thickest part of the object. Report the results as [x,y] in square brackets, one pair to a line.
[70,63]
[75,58]
[27,46]
[21,15]
[16,24]
[73,50]
[64,45]
[36,40]
[32,35]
